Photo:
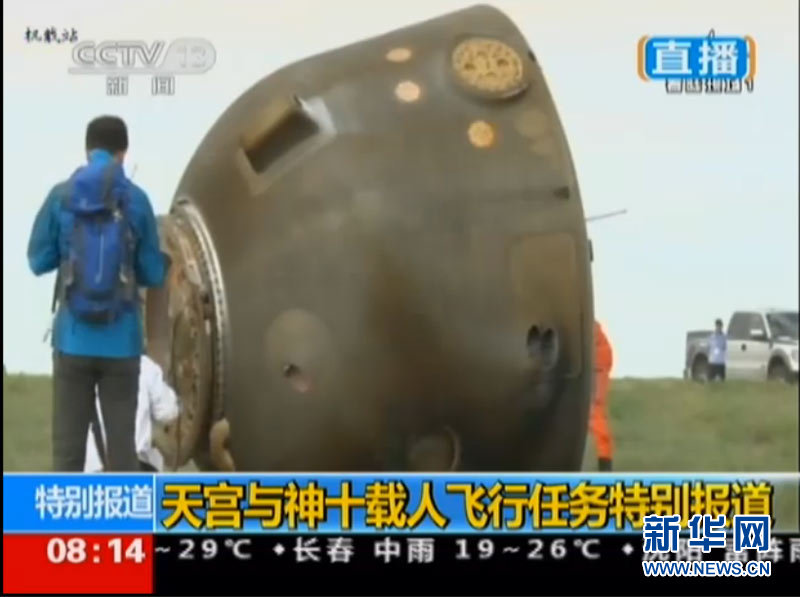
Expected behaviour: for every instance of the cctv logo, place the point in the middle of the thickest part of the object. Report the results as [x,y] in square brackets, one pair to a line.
[182,57]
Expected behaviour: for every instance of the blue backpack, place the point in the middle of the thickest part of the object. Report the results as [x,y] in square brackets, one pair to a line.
[97,273]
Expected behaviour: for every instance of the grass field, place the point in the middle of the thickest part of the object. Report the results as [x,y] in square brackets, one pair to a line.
[658,425]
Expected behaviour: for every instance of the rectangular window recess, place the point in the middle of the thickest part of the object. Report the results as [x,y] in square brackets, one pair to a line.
[281,126]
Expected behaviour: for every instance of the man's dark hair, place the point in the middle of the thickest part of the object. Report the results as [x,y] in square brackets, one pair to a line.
[718,323]
[107,132]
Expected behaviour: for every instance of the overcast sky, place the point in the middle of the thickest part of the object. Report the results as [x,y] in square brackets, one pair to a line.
[711,183]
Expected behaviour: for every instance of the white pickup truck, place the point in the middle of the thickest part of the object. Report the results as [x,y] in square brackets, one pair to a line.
[762,344]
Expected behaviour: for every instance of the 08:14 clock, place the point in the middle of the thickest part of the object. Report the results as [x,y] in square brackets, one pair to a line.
[78,550]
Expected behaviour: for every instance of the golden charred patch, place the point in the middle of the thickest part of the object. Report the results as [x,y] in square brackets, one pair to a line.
[408,91]
[398,55]
[489,65]
[481,134]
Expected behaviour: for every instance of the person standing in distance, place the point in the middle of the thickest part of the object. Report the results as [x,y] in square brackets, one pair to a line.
[598,415]
[99,230]
[717,353]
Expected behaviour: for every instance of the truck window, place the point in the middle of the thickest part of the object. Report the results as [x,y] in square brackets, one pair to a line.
[783,325]
[739,327]
[756,323]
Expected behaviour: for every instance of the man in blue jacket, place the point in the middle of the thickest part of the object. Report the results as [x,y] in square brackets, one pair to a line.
[99,230]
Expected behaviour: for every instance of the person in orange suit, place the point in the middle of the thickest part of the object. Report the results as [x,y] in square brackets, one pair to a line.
[598,417]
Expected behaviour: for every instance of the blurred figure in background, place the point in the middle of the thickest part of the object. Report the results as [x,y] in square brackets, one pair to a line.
[157,402]
[598,417]
[717,352]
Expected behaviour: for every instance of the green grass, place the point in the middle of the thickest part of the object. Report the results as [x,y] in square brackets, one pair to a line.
[27,422]
[658,426]
[671,425]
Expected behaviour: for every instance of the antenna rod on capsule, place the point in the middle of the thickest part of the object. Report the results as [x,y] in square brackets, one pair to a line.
[610,214]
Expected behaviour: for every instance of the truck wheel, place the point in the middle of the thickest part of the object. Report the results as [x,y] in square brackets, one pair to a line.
[700,370]
[778,371]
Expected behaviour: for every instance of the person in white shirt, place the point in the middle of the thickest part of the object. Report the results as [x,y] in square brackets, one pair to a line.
[156,402]
[718,348]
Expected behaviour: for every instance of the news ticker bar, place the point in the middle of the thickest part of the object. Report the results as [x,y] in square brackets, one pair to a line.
[379,564]
[376,503]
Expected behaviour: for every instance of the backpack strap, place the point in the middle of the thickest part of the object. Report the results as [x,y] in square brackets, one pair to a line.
[56,291]
[128,289]
[64,273]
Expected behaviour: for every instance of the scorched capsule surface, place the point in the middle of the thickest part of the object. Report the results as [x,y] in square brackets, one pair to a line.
[380,262]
